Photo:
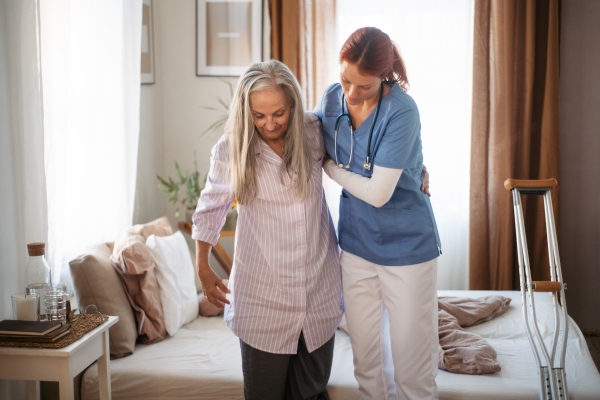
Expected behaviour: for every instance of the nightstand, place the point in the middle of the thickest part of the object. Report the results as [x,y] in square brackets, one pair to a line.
[62,365]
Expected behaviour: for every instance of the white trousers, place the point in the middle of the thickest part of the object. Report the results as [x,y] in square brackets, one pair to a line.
[392,321]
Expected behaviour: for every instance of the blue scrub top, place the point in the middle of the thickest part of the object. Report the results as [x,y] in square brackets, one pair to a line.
[403,231]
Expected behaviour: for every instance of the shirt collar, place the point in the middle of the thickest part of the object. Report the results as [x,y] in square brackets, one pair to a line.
[266,153]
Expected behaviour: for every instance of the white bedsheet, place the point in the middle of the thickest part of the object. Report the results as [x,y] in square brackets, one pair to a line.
[202,361]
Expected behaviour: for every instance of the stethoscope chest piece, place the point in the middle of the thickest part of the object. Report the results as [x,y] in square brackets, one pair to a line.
[367,165]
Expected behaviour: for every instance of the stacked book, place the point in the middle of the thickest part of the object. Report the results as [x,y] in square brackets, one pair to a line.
[33,331]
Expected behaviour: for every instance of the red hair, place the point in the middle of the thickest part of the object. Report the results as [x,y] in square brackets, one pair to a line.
[374,53]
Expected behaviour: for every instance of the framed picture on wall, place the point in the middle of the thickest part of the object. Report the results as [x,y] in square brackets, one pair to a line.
[147,64]
[228,36]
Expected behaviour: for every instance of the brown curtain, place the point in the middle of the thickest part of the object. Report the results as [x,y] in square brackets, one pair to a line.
[515,134]
[303,38]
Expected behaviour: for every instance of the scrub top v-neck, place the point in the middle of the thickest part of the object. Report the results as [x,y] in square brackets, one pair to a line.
[403,231]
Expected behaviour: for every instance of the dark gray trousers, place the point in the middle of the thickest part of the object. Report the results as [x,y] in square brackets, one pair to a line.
[300,376]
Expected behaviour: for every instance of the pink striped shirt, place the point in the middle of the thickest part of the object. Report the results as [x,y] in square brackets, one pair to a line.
[286,275]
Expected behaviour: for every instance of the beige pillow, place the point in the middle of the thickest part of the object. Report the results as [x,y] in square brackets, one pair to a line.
[96,282]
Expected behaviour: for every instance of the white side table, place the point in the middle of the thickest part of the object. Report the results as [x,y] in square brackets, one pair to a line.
[60,365]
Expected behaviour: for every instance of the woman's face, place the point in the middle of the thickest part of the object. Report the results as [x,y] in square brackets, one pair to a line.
[271,113]
[357,87]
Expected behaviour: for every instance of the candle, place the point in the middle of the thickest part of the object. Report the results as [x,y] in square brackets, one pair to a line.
[25,307]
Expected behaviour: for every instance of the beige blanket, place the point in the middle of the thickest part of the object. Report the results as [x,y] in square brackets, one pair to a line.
[460,351]
[464,352]
[135,266]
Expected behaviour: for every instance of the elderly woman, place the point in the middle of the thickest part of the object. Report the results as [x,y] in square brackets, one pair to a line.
[284,294]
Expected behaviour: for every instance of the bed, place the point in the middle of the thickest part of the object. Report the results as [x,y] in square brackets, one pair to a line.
[202,361]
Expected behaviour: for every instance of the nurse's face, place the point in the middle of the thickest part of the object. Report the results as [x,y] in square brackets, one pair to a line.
[271,113]
[357,87]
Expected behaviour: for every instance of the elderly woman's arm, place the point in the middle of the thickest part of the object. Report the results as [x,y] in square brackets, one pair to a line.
[215,202]
[212,286]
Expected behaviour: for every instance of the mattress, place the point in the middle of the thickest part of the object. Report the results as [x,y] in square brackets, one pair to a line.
[202,361]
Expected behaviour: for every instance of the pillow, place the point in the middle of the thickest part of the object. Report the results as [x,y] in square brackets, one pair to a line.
[135,265]
[175,276]
[96,282]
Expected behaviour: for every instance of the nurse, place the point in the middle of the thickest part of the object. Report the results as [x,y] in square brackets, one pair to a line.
[387,230]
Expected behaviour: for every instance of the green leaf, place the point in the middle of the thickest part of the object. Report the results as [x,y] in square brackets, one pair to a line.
[224,104]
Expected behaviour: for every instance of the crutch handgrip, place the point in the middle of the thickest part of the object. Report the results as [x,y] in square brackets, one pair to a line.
[545,286]
[509,184]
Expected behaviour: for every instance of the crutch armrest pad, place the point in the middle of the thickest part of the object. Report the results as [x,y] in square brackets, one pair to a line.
[509,184]
[545,286]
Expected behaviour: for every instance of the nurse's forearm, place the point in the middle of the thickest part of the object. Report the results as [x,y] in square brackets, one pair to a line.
[376,190]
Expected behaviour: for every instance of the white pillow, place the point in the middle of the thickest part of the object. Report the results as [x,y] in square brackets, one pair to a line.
[175,276]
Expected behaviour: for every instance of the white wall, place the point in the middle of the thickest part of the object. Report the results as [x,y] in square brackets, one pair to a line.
[580,159]
[172,115]
[149,203]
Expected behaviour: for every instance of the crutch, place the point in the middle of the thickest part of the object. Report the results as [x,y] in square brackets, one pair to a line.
[552,376]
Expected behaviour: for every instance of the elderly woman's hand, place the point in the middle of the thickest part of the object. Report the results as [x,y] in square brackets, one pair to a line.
[425,182]
[212,286]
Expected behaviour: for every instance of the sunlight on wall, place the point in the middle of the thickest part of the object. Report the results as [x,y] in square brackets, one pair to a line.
[435,38]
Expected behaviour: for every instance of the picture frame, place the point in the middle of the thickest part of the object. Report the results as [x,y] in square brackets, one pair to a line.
[147,59]
[228,36]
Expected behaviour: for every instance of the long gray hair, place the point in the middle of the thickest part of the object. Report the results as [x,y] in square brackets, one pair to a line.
[243,135]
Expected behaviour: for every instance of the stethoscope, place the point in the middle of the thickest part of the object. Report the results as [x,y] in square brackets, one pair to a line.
[367,164]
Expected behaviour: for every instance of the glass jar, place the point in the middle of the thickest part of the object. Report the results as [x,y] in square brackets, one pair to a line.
[56,306]
[37,274]
[37,270]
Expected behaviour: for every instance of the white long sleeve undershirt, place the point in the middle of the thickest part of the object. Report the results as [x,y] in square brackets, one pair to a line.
[376,190]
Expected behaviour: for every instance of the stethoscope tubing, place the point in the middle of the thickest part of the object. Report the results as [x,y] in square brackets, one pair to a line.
[367,164]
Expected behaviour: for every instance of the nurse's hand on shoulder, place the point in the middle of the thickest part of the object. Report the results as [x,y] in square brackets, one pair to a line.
[425,182]
[213,287]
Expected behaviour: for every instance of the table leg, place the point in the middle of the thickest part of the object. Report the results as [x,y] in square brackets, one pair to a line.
[104,369]
[65,382]
[33,390]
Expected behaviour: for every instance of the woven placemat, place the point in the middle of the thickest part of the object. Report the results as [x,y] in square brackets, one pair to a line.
[78,328]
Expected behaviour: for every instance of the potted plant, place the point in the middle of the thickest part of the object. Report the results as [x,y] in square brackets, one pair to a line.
[222,109]
[185,192]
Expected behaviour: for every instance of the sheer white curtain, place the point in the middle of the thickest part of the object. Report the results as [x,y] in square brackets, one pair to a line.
[436,41]
[23,213]
[90,52]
